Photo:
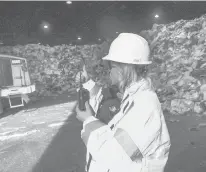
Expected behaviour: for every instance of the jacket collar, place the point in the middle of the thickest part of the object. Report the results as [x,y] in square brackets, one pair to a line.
[143,84]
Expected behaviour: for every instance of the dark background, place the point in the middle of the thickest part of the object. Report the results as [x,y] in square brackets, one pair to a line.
[22,22]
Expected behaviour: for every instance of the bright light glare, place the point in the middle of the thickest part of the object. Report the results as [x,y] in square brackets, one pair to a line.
[46,27]
[69,2]
[79,38]
[156,16]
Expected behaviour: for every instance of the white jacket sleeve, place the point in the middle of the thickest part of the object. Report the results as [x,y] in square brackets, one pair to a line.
[103,146]
[141,122]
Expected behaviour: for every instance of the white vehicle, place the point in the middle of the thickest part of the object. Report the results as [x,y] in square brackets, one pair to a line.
[15,81]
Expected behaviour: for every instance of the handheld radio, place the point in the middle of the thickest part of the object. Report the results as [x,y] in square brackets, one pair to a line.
[83,95]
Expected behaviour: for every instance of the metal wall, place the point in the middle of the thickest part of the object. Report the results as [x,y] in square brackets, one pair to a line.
[6,78]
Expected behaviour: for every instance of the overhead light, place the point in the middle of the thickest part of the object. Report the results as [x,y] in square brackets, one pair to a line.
[99,39]
[46,27]
[156,16]
[79,38]
[69,2]
[117,32]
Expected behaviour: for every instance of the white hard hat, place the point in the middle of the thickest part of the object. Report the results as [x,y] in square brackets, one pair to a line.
[129,48]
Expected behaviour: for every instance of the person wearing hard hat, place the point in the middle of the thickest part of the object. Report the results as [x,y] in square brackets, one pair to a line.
[136,139]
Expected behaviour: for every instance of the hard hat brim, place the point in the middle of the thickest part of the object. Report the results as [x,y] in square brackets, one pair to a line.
[108,58]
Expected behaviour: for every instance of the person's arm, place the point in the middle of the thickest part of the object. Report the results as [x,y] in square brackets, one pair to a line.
[140,128]
[94,94]
[93,88]
[102,145]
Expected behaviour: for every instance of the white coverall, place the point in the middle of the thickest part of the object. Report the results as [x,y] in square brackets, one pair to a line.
[144,130]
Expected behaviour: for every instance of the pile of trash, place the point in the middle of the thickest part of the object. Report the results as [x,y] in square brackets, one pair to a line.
[53,69]
[179,69]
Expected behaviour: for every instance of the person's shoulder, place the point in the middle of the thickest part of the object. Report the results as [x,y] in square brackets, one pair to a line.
[148,97]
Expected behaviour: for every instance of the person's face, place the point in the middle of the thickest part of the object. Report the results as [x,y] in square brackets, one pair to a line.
[115,73]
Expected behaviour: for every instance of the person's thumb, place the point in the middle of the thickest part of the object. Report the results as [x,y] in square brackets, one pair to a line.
[83,68]
[87,105]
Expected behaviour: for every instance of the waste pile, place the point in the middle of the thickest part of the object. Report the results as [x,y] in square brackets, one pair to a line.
[178,50]
[53,69]
[179,69]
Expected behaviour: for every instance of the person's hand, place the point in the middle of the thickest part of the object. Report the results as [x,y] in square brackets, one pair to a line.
[84,75]
[119,95]
[83,115]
